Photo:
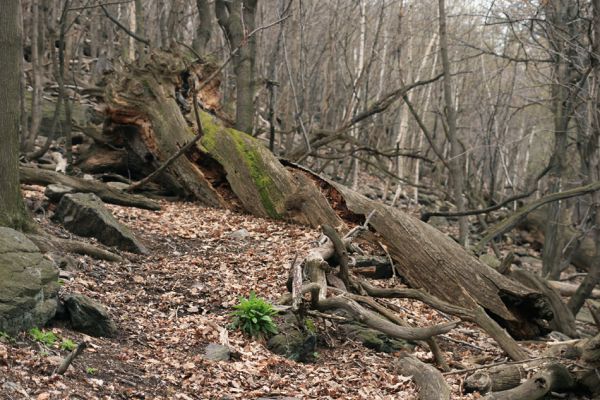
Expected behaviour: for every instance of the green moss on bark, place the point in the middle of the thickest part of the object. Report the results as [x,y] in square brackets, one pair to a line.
[247,150]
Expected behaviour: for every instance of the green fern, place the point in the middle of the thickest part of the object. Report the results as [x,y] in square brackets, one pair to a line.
[253,315]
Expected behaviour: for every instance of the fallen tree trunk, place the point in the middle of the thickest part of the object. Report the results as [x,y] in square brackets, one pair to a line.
[36,176]
[569,289]
[494,379]
[144,116]
[554,377]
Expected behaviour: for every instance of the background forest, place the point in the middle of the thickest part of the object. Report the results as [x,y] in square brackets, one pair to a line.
[481,118]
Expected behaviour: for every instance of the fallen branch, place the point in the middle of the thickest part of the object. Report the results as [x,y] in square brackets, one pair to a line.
[38,176]
[48,243]
[64,365]
[512,221]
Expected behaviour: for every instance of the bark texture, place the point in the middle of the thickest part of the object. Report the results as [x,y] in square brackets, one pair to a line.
[12,209]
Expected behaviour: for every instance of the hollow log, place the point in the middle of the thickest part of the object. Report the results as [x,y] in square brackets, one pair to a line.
[552,378]
[564,320]
[494,379]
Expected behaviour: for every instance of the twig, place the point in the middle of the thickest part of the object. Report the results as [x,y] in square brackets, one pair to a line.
[462,371]
[123,27]
[64,365]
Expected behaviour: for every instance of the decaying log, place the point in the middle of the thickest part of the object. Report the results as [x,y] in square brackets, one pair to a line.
[563,320]
[143,113]
[477,315]
[38,176]
[552,378]
[495,379]
[262,184]
[429,381]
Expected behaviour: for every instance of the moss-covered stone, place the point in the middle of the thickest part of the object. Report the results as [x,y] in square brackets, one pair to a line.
[28,284]
[374,339]
[292,341]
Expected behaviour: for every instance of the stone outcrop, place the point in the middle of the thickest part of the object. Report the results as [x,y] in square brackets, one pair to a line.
[28,284]
[89,316]
[84,214]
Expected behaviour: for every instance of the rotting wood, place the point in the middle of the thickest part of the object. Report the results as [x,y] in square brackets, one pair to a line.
[552,378]
[563,319]
[494,379]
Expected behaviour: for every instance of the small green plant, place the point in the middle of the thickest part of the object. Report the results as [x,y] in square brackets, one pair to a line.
[310,325]
[68,344]
[5,337]
[90,370]
[46,338]
[253,316]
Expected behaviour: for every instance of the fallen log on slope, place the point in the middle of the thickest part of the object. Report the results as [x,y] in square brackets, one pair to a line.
[144,117]
[36,176]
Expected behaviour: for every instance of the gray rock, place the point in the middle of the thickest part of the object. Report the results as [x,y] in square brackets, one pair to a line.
[89,316]
[239,234]
[217,352]
[85,215]
[490,260]
[438,222]
[28,284]
[56,191]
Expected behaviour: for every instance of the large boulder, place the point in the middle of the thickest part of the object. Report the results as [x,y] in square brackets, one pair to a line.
[85,215]
[28,284]
[89,316]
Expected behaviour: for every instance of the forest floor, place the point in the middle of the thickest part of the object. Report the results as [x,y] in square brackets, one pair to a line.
[171,303]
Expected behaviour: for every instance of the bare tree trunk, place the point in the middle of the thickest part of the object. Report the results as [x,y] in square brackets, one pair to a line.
[456,163]
[36,78]
[204,28]
[12,209]
[592,159]
[237,19]
[561,14]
